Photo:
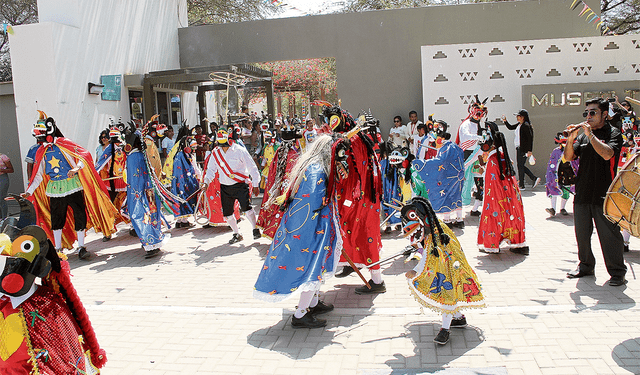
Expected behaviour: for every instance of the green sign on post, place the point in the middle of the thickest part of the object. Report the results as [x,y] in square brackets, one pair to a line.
[112,85]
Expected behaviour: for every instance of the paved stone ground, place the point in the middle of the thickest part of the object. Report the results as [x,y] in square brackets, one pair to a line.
[191,311]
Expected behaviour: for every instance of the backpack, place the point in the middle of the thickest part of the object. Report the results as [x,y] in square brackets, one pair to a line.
[566,175]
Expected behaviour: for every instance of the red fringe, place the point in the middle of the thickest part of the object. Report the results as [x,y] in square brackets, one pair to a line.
[98,355]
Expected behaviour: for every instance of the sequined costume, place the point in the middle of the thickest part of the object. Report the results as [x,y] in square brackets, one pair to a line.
[277,182]
[445,282]
[502,212]
[443,177]
[306,246]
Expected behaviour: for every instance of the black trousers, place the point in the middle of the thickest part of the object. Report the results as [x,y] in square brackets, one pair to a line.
[59,207]
[522,167]
[611,242]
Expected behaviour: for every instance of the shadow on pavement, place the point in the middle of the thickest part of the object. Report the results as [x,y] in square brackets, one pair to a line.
[492,263]
[304,343]
[627,355]
[432,355]
[607,297]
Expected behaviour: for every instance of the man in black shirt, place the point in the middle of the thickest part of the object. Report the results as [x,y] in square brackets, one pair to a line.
[599,150]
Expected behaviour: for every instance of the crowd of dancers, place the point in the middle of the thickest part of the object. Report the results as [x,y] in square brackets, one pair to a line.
[329,193]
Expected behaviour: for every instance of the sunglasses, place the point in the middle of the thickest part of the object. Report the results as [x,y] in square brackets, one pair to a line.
[396,120]
[591,113]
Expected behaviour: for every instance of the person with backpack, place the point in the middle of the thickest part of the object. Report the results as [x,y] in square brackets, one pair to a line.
[560,177]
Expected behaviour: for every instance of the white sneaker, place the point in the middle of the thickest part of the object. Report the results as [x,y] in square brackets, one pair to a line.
[536,183]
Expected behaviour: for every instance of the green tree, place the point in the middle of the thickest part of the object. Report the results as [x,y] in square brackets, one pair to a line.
[204,12]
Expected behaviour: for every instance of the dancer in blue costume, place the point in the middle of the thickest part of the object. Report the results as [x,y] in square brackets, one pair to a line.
[390,189]
[307,245]
[443,176]
[184,175]
[145,194]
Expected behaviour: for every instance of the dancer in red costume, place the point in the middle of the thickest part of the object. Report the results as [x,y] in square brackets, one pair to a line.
[44,328]
[278,180]
[359,197]
[502,214]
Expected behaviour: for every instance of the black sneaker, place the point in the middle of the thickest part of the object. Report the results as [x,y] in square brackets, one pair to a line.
[375,288]
[346,271]
[551,211]
[398,227]
[256,234]
[207,226]
[151,253]
[83,253]
[132,233]
[458,224]
[387,230]
[106,238]
[475,213]
[236,238]
[626,248]
[188,225]
[320,308]
[442,337]
[307,321]
[459,323]
[617,281]
[564,212]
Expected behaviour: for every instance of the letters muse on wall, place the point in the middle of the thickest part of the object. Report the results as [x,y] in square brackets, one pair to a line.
[452,74]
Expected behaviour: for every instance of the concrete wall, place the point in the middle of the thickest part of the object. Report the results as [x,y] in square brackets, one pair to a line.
[378,53]
[9,136]
[78,41]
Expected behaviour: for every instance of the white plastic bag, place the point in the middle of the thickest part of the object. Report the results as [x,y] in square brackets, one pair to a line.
[532,160]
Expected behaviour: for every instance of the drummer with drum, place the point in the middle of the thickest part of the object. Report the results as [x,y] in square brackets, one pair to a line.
[598,146]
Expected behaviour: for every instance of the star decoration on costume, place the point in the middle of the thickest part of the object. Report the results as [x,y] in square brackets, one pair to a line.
[54,162]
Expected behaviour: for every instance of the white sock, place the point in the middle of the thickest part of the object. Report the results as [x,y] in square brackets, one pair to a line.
[554,199]
[303,304]
[476,205]
[233,223]
[376,276]
[80,234]
[251,216]
[57,239]
[563,203]
[314,300]
[446,321]
[459,213]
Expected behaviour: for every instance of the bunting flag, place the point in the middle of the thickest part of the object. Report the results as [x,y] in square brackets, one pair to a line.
[7,29]
[591,17]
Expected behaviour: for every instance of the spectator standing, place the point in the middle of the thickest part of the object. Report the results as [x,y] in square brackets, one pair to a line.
[524,145]
[103,141]
[598,148]
[398,133]
[5,169]
[412,130]
[167,144]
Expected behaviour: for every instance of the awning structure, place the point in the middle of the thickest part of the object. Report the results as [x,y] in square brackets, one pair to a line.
[209,78]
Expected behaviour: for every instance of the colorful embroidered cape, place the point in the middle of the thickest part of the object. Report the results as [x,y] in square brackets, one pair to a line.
[446,283]
[502,214]
[390,190]
[443,177]
[359,213]
[553,188]
[184,182]
[143,204]
[101,212]
[269,217]
[306,246]
[213,209]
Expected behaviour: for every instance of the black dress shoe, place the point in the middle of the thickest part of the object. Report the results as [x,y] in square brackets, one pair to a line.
[256,234]
[83,253]
[626,248]
[320,308]
[132,233]
[106,238]
[307,321]
[474,213]
[375,288]
[236,238]
[151,253]
[207,226]
[617,281]
[387,230]
[346,271]
[575,274]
